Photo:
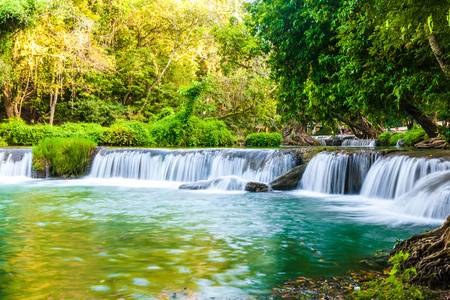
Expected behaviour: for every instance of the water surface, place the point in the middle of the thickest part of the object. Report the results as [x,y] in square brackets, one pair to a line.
[117,238]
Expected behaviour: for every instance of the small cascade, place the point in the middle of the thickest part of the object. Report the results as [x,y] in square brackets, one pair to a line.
[359,143]
[322,138]
[391,177]
[400,143]
[430,197]
[193,165]
[15,162]
[338,172]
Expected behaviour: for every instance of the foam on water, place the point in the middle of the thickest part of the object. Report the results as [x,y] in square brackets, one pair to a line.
[391,177]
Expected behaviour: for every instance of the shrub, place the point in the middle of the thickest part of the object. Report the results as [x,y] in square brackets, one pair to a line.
[171,131]
[414,136]
[264,140]
[394,138]
[395,286]
[3,143]
[384,138]
[64,157]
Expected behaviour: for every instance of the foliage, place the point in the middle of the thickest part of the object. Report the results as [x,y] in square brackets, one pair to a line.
[395,286]
[128,133]
[414,136]
[344,60]
[65,157]
[384,138]
[394,138]
[264,139]
[3,143]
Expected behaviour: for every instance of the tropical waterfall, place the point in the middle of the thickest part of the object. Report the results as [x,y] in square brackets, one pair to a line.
[15,162]
[417,186]
[359,143]
[394,176]
[193,165]
[338,172]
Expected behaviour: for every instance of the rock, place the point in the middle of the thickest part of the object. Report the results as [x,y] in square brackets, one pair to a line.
[256,187]
[289,180]
[433,143]
[429,254]
[199,185]
[227,183]
[301,140]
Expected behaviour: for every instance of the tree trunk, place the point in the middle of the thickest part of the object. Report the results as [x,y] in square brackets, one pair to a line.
[367,129]
[53,100]
[439,54]
[8,101]
[427,124]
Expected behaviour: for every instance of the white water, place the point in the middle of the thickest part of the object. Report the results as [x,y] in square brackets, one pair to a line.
[430,197]
[337,173]
[322,138]
[17,164]
[192,165]
[359,143]
[391,177]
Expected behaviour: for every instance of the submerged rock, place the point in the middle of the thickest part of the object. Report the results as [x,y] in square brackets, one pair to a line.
[289,180]
[257,187]
[199,185]
[433,143]
[429,255]
[228,183]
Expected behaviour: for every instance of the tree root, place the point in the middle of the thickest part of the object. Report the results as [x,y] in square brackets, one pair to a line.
[429,254]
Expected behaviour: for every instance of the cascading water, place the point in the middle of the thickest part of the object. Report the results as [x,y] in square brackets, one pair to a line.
[337,173]
[359,143]
[193,165]
[15,162]
[430,197]
[392,177]
[322,138]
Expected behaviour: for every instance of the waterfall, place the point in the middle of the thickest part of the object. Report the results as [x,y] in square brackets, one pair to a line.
[392,177]
[193,165]
[430,197]
[359,143]
[322,138]
[337,172]
[15,162]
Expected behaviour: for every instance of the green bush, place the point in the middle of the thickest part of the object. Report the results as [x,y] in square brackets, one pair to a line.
[171,131]
[414,136]
[264,139]
[64,157]
[3,143]
[394,139]
[384,138]
[395,286]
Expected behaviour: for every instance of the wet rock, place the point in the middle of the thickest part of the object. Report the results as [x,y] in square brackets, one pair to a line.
[289,180]
[433,143]
[256,187]
[199,185]
[301,140]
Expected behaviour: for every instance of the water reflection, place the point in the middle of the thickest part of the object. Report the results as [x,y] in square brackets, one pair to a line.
[89,242]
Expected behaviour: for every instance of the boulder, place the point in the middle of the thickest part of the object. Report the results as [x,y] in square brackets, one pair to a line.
[429,254]
[256,187]
[433,143]
[199,185]
[301,140]
[289,180]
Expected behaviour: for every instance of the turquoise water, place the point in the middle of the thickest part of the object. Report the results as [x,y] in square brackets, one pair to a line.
[130,239]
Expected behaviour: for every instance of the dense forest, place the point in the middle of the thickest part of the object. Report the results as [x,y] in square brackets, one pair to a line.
[368,64]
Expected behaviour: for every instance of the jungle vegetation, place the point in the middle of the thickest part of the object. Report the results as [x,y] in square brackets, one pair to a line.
[115,64]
